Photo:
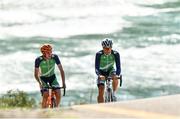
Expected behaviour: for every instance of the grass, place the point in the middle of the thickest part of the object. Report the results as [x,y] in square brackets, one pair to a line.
[16,99]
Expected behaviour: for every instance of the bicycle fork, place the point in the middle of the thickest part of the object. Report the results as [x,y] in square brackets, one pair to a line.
[108,93]
[49,100]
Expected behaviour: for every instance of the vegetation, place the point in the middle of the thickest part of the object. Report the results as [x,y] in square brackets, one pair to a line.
[16,98]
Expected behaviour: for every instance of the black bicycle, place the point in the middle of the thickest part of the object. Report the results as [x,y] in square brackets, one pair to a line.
[108,89]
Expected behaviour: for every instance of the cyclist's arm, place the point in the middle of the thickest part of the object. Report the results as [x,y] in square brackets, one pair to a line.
[62,74]
[97,63]
[36,75]
[118,63]
[36,70]
[58,62]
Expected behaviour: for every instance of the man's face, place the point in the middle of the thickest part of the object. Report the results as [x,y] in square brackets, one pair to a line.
[107,50]
[47,55]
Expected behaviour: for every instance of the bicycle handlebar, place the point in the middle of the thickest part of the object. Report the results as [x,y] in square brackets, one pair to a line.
[119,77]
[64,92]
[54,88]
[120,84]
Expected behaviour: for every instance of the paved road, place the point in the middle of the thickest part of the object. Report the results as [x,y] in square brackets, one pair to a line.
[166,107]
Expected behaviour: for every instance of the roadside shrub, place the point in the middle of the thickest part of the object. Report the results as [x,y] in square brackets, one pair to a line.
[16,98]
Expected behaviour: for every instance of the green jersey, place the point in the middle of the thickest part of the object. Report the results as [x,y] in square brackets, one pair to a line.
[107,63]
[47,66]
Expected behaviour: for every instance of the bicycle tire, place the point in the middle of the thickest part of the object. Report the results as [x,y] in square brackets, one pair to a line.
[112,100]
[108,95]
[49,103]
[53,104]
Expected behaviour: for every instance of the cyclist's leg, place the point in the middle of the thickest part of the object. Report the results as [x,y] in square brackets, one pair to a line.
[114,84]
[112,73]
[45,94]
[45,98]
[115,88]
[57,91]
[100,84]
[115,80]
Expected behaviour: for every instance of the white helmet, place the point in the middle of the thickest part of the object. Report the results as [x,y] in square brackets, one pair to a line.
[107,43]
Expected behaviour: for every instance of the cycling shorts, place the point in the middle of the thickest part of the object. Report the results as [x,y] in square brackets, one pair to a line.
[106,74]
[52,80]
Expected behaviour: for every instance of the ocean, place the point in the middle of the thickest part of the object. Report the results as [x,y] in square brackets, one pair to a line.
[145,32]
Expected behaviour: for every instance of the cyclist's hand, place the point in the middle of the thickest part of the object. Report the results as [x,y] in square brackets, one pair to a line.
[64,85]
[101,77]
[40,85]
[115,76]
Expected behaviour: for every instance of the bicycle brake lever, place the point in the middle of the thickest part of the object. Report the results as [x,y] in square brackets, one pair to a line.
[64,93]
[120,80]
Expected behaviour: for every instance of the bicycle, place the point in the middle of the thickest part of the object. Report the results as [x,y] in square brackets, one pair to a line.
[51,100]
[108,89]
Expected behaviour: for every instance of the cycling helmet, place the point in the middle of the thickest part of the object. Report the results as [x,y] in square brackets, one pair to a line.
[107,43]
[46,48]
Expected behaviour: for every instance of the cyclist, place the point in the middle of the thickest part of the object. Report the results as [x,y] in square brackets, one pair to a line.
[44,73]
[104,67]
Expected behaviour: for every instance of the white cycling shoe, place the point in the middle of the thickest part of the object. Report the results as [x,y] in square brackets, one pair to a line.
[114,98]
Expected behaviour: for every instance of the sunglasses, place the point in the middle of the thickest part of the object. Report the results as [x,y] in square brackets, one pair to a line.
[46,52]
[106,48]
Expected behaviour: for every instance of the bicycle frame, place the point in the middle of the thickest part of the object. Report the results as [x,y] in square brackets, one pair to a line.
[51,100]
[108,89]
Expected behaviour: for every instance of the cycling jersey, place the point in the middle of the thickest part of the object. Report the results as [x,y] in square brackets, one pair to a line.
[105,63]
[47,66]
[47,70]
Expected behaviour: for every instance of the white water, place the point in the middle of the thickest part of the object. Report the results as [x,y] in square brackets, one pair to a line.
[63,18]
[151,66]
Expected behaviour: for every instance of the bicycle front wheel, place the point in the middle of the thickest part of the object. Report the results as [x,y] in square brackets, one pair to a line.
[108,95]
[53,104]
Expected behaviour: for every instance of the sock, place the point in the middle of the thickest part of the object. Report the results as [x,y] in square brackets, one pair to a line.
[114,93]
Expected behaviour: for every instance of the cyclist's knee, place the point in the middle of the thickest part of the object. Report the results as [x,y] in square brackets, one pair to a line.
[115,80]
[101,89]
[114,77]
[57,92]
[45,94]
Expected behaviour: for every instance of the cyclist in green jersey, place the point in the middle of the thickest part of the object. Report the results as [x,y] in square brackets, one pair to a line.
[45,75]
[104,67]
